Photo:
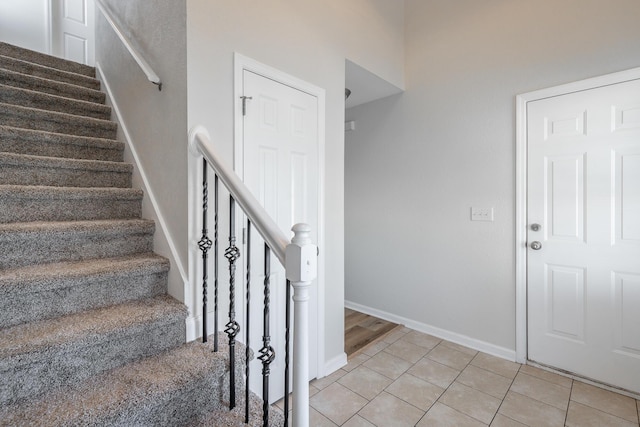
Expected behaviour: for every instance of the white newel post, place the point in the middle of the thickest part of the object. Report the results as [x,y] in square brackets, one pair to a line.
[302,268]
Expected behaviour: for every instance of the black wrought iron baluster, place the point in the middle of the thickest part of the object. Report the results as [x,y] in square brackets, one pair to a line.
[215,264]
[205,244]
[267,354]
[287,319]
[232,328]
[247,324]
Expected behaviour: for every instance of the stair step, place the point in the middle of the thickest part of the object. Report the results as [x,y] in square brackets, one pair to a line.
[40,356]
[22,169]
[169,389]
[23,244]
[36,70]
[50,121]
[46,60]
[49,144]
[51,87]
[44,101]
[235,417]
[26,203]
[46,291]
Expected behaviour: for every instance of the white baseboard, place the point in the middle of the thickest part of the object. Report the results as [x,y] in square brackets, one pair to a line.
[455,337]
[149,193]
[334,364]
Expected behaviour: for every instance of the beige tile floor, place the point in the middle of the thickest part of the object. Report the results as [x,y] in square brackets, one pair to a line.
[412,379]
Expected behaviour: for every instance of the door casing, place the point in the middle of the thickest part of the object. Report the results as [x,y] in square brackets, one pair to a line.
[521,187]
[242,63]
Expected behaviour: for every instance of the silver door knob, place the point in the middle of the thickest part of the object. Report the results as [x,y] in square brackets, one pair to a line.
[536,246]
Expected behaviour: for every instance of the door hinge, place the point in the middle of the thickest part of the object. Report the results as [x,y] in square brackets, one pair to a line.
[244,236]
[244,104]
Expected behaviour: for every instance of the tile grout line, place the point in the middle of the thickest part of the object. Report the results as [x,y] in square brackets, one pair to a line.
[566,415]
[505,397]
[454,380]
[392,380]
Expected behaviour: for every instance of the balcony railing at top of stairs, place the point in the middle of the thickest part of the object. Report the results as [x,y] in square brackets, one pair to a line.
[299,257]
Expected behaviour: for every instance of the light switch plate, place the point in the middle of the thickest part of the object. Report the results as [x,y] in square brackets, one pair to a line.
[481,214]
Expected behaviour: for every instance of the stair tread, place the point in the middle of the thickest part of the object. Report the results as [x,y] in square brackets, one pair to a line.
[53,121]
[50,144]
[43,71]
[63,163]
[20,343]
[53,275]
[69,139]
[57,114]
[48,192]
[22,97]
[96,226]
[29,55]
[147,383]
[49,86]
[235,417]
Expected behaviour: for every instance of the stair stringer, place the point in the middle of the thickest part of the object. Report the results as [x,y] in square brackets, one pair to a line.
[163,242]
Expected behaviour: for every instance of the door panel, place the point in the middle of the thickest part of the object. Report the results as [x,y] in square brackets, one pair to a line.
[584,190]
[627,302]
[564,197]
[565,302]
[72,28]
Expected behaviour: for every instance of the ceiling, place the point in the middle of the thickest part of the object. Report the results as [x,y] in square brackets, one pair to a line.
[365,86]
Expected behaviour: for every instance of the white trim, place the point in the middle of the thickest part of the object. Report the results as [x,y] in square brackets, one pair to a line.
[175,261]
[521,186]
[48,27]
[483,346]
[242,63]
[334,364]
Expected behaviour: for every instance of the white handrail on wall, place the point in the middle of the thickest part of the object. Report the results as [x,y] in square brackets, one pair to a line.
[298,256]
[144,65]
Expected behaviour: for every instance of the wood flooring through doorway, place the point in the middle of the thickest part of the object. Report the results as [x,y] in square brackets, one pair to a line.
[361,329]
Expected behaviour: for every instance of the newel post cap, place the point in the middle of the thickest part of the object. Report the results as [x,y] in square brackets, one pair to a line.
[301,260]
[193,134]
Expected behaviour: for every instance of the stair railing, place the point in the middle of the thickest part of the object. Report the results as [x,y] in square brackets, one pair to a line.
[298,256]
[137,56]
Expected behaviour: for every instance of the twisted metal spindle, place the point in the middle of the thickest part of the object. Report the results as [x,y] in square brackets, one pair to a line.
[267,353]
[232,328]
[205,244]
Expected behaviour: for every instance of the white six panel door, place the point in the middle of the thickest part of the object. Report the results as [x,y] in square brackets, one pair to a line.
[281,169]
[584,192]
[72,28]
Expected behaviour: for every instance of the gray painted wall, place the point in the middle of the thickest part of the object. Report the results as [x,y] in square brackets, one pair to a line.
[157,121]
[25,23]
[418,161]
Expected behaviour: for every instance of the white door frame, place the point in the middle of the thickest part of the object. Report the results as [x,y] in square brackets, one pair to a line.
[242,63]
[521,187]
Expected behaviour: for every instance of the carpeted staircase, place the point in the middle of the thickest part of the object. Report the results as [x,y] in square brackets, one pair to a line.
[88,335]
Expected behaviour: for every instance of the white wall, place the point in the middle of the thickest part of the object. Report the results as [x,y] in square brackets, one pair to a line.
[418,161]
[25,23]
[310,40]
[156,120]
